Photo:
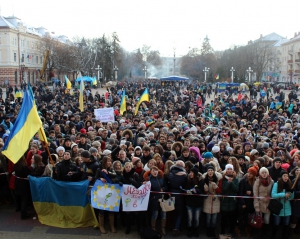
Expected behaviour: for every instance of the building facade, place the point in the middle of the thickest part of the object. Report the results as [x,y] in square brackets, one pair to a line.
[22,51]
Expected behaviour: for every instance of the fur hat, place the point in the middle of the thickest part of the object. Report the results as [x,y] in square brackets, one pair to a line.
[60,148]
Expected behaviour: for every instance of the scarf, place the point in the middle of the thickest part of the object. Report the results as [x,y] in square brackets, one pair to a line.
[139,170]
[265,181]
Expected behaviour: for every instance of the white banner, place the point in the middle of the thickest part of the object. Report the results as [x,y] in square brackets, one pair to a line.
[136,199]
[104,114]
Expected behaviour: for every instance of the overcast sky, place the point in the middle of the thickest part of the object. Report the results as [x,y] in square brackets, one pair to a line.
[162,24]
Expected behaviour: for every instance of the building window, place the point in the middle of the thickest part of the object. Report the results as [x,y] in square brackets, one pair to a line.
[41,60]
[36,59]
[22,59]
[16,77]
[32,59]
[15,57]
[32,45]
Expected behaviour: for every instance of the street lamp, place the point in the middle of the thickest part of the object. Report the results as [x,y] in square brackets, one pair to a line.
[232,71]
[99,69]
[206,70]
[145,70]
[116,73]
[249,72]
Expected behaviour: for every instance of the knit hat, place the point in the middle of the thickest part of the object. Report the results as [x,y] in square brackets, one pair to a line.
[83,131]
[226,153]
[90,128]
[60,148]
[85,154]
[285,166]
[73,145]
[93,150]
[265,145]
[253,170]
[167,154]
[283,173]
[277,160]
[106,152]
[253,152]
[263,170]
[195,171]
[210,146]
[280,153]
[95,144]
[228,166]
[215,149]
[209,166]
[208,155]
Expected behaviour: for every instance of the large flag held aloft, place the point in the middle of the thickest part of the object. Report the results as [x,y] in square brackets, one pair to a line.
[27,124]
[123,104]
[62,204]
[144,97]
[81,89]
[68,83]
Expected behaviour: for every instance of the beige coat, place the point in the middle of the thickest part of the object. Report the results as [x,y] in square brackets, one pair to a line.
[261,205]
[211,205]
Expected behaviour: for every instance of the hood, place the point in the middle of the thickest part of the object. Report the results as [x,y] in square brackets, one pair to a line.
[219,175]
[137,147]
[175,145]
[196,150]
[147,175]
[177,170]
[127,131]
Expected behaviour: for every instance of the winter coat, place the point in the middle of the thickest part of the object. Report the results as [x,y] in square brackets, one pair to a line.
[259,190]
[157,184]
[178,153]
[275,173]
[111,174]
[37,171]
[196,150]
[89,169]
[177,179]
[61,170]
[131,178]
[296,203]
[195,201]
[287,209]
[228,204]
[212,204]
[244,186]
[22,185]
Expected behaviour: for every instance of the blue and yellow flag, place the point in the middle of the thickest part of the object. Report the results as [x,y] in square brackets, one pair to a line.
[81,89]
[144,97]
[123,103]
[68,83]
[19,94]
[62,204]
[94,81]
[27,124]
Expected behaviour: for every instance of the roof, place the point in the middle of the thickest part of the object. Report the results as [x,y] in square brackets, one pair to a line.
[271,37]
[280,42]
[295,39]
[5,23]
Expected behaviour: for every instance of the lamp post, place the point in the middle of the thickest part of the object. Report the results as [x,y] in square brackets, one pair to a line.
[99,69]
[249,71]
[206,70]
[232,71]
[145,70]
[116,73]
[174,62]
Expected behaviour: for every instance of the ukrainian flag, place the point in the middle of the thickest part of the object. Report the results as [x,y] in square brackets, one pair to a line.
[19,94]
[81,89]
[94,81]
[144,97]
[62,204]
[123,104]
[27,124]
[68,83]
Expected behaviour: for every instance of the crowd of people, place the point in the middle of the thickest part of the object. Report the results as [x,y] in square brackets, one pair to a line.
[229,155]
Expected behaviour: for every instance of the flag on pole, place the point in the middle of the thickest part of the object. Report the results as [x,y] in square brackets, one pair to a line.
[144,97]
[41,131]
[81,106]
[123,104]
[218,76]
[27,124]
[94,81]
[19,94]
[68,83]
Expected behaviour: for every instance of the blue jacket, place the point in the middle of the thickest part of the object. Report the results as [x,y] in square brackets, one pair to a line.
[5,125]
[287,209]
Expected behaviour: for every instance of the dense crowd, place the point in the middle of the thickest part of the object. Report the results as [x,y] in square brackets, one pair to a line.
[232,153]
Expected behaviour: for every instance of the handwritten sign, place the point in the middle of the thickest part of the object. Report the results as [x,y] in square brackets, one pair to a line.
[105,114]
[136,199]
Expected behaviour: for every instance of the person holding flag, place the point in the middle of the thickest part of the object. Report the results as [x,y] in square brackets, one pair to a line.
[144,97]
[123,104]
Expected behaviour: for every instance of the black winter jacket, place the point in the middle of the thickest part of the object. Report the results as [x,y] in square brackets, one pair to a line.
[61,170]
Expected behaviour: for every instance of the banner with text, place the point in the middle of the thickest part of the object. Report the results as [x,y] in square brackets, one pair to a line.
[105,114]
[106,196]
[136,199]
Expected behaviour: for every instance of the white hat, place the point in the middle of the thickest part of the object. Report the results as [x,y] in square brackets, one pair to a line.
[106,152]
[60,148]
[253,152]
[264,170]
[122,121]
[228,166]
[215,149]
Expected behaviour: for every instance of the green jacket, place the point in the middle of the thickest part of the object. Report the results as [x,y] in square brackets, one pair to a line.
[231,189]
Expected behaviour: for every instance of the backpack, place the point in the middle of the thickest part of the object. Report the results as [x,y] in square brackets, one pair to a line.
[148,233]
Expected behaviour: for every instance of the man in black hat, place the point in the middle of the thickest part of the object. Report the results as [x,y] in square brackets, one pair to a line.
[88,167]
